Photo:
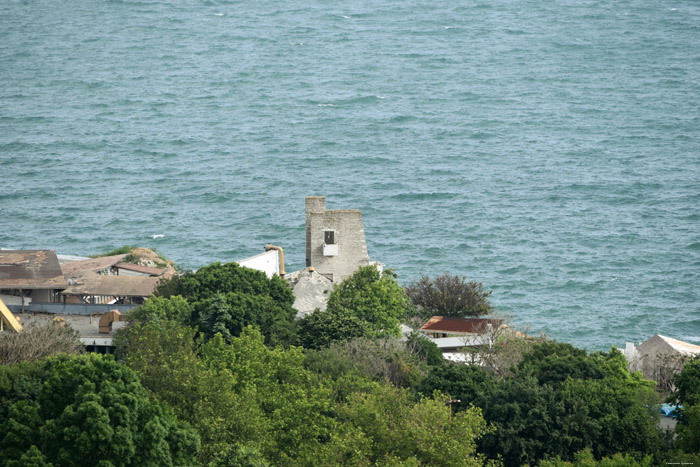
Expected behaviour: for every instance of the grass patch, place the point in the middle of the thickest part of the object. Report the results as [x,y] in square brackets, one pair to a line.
[118,251]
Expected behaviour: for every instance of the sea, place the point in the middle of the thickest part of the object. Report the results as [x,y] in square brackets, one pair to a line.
[548,149]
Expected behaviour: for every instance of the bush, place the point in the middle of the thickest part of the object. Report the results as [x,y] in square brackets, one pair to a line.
[225,298]
[38,341]
[87,411]
[449,296]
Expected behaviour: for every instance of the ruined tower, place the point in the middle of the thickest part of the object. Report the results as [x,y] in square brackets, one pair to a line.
[335,240]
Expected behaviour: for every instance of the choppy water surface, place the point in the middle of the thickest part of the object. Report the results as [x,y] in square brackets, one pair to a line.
[548,149]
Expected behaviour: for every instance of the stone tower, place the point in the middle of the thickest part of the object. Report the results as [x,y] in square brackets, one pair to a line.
[335,240]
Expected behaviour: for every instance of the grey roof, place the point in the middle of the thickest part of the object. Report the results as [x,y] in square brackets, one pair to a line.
[311,290]
[92,264]
[142,269]
[30,269]
[658,341]
[63,259]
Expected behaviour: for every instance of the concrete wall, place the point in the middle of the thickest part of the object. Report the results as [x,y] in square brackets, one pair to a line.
[69,308]
[349,236]
[127,272]
[268,262]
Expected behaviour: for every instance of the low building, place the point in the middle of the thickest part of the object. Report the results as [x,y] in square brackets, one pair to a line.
[100,289]
[464,349]
[88,327]
[659,358]
[103,265]
[270,262]
[441,326]
[30,276]
[130,269]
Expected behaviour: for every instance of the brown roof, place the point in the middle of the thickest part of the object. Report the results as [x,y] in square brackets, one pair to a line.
[142,269]
[30,269]
[92,264]
[459,325]
[112,286]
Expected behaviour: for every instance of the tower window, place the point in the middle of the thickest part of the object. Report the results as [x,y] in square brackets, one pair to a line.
[329,237]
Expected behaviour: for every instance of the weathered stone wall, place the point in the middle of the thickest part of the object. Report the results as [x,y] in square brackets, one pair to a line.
[313,204]
[349,236]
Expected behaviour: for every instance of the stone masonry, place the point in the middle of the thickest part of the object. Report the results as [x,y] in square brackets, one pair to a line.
[335,240]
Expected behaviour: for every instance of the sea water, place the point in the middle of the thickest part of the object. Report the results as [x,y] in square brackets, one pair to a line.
[549,149]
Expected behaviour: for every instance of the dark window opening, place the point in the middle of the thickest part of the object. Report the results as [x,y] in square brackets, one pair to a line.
[329,237]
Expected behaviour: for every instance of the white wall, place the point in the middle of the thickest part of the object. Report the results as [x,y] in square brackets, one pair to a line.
[268,262]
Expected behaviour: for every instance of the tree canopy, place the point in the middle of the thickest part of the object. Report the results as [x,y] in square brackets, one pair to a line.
[224,298]
[559,400]
[447,295]
[206,376]
[366,304]
[687,395]
[86,411]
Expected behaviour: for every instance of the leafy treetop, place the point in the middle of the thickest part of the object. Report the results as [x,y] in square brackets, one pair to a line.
[224,298]
[366,304]
[447,295]
[375,298]
[87,411]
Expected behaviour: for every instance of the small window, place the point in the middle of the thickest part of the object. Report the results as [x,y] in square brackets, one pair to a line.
[329,237]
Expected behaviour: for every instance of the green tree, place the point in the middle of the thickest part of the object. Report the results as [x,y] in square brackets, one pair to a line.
[559,400]
[449,296]
[425,349]
[227,314]
[160,309]
[464,382]
[687,395]
[562,400]
[223,278]
[553,362]
[89,411]
[247,401]
[227,297]
[386,427]
[324,327]
[384,360]
[585,458]
[366,304]
[167,358]
[295,408]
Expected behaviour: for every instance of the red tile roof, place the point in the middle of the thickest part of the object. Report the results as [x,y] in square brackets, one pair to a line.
[459,325]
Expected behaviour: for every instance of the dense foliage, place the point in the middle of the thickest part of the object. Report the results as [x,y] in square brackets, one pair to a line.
[225,298]
[687,395]
[86,411]
[559,401]
[366,304]
[449,296]
[281,407]
[207,376]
